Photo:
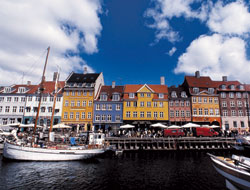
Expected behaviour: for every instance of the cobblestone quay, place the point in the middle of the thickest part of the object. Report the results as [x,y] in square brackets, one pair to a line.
[185,143]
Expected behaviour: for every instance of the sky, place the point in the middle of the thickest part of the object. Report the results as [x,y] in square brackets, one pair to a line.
[131,42]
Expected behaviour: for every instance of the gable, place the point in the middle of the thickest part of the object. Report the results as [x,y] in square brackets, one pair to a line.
[145,88]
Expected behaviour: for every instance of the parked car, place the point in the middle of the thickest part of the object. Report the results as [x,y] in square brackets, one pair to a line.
[206,132]
[174,133]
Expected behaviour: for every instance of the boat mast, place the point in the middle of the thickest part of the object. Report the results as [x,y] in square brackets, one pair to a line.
[41,89]
[54,105]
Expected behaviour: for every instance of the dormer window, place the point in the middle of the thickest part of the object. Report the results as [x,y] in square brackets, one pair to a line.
[211,90]
[196,90]
[183,94]
[21,90]
[223,87]
[241,87]
[232,87]
[131,95]
[173,94]
[115,97]
[161,95]
[7,89]
[103,97]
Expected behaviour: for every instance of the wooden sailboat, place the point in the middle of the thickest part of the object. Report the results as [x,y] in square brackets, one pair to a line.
[17,150]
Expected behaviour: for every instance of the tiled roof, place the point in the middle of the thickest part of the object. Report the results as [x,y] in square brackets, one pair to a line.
[15,87]
[178,90]
[83,78]
[201,82]
[109,91]
[49,87]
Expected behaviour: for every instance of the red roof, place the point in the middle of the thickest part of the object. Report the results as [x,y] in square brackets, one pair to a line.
[109,91]
[49,87]
[15,87]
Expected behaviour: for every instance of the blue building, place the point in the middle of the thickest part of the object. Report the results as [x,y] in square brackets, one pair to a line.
[108,108]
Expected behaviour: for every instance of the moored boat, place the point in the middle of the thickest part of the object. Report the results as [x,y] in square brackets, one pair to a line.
[235,170]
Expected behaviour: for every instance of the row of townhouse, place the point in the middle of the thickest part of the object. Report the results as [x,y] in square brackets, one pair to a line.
[83,100]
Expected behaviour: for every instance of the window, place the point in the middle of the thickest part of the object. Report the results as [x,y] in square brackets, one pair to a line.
[128,104]
[58,99]
[78,103]
[161,104]
[72,103]
[232,87]
[232,104]
[1,99]
[90,103]
[205,100]
[245,95]
[118,107]
[225,113]
[15,99]
[128,114]
[224,104]
[9,99]
[84,93]
[240,112]
[171,113]
[84,103]
[155,114]
[235,123]
[187,103]
[148,114]
[182,113]
[142,114]
[44,99]
[135,104]
[206,111]
[103,97]
[30,98]
[171,103]
[131,95]
[14,109]
[238,95]
[42,109]
[109,117]
[142,104]
[242,124]
[65,115]
[194,99]
[216,101]
[71,116]
[210,90]
[223,87]
[194,111]
[67,93]
[183,94]
[1,108]
[196,90]
[51,99]
[49,109]
[148,104]
[73,93]
[217,112]
[117,118]
[97,118]
[173,94]
[103,117]
[176,103]
[177,113]
[182,103]
[200,111]
[66,103]
[188,114]
[199,100]
[12,120]
[89,115]
[155,104]
[211,111]
[115,97]
[148,95]
[97,107]
[77,115]
[90,93]
[233,113]
[83,115]
[231,95]
[7,109]
[134,114]
[79,93]
[223,95]
[161,115]
[142,95]
[161,95]
[239,103]
[103,106]
[109,107]
[35,109]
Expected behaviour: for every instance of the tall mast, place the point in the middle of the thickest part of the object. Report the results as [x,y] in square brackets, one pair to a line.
[41,90]
[54,105]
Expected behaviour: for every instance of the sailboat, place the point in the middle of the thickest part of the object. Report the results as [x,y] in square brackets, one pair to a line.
[17,150]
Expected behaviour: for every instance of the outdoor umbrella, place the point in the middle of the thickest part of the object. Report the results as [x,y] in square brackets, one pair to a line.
[61,126]
[174,127]
[160,125]
[189,125]
[127,126]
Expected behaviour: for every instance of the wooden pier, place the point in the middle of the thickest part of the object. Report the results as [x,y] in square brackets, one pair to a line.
[185,143]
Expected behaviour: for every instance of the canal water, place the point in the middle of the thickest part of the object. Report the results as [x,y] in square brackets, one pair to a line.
[140,170]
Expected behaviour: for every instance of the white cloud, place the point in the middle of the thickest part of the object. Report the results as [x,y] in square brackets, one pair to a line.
[165,10]
[232,18]
[216,56]
[29,27]
[172,51]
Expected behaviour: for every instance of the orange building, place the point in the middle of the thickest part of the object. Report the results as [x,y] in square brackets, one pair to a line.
[204,99]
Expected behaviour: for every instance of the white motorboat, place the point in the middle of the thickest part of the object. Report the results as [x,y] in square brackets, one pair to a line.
[16,151]
[235,170]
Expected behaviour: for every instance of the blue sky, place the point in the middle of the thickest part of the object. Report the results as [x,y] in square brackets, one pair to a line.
[131,42]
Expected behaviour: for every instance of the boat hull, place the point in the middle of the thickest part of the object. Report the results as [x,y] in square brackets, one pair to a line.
[16,152]
[238,179]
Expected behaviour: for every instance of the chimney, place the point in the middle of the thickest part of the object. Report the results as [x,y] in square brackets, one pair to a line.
[113,84]
[55,75]
[162,80]
[29,82]
[197,74]
[85,70]
[224,78]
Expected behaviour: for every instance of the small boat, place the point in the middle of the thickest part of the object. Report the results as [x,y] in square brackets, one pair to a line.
[242,143]
[235,170]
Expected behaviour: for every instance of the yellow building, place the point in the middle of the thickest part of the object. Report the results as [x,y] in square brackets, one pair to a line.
[78,98]
[145,104]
